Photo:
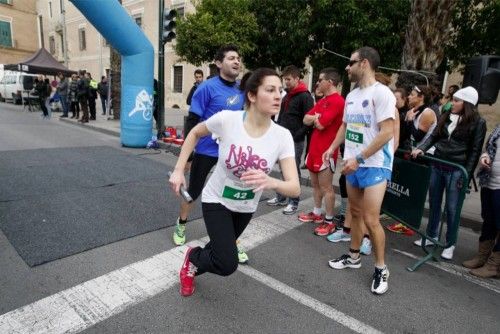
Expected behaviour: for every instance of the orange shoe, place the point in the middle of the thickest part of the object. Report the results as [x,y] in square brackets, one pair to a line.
[324,229]
[310,217]
[400,228]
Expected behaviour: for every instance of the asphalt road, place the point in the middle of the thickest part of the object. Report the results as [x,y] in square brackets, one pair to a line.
[131,286]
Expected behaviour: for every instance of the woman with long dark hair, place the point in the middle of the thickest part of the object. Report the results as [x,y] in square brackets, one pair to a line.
[486,263]
[249,145]
[458,138]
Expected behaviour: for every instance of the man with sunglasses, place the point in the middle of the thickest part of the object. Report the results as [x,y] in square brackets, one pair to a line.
[367,130]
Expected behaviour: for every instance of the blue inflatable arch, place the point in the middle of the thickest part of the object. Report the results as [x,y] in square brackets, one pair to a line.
[118,28]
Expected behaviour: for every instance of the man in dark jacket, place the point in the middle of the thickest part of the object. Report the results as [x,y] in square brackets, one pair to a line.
[92,95]
[296,103]
[83,96]
[102,89]
[198,79]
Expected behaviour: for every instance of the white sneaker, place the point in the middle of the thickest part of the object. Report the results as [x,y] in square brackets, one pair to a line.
[275,202]
[419,243]
[380,281]
[447,253]
[366,247]
[290,209]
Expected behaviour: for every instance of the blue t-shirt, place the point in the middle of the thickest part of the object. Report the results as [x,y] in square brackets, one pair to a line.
[210,97]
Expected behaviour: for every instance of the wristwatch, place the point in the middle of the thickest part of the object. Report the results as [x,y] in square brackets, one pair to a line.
[359,159]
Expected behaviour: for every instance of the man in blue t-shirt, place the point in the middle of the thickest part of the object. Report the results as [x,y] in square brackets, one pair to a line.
[221,92]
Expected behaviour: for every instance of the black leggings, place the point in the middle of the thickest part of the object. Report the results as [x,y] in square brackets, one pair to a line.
[220,255]
[200,167]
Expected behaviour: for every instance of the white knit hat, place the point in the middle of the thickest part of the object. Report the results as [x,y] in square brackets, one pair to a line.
[468,94]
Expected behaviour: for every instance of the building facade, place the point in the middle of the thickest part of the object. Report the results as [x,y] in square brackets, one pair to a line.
[85,48]
[18,30]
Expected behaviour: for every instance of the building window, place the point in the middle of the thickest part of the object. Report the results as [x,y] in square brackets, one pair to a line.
[177,79]
[7,2]
[50,9]
[5,34]
[62,43]
[180,11]
[138,20]
[52,45]
[61,6]
[81,39]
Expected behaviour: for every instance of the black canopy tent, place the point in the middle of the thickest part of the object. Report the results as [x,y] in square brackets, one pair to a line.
[41,62]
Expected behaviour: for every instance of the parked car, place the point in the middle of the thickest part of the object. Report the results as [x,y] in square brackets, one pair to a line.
[13,84]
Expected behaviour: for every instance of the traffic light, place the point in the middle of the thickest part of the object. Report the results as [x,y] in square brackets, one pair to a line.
[168,33]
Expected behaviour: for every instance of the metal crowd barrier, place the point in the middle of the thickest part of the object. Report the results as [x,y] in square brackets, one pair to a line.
[406,195]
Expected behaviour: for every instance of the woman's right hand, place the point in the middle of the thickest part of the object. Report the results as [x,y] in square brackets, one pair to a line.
[485,161]
[176,180]
[327,156]
[416,152]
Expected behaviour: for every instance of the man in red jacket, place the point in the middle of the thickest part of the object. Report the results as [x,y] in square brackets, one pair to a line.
[296,103]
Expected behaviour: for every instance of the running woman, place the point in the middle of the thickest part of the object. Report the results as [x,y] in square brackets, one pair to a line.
[221,92]
[249,145]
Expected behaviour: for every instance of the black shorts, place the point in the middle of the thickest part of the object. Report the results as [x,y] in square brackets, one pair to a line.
[200,167]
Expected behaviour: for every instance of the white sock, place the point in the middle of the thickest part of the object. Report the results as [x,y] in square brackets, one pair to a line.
[317,211]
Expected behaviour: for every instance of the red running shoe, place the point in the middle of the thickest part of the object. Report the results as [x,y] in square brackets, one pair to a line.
[400,228]
[186,275]
[324,229]
[310,217]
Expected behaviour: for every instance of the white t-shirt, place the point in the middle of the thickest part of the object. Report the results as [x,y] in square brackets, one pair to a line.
[239,152]
[364,109]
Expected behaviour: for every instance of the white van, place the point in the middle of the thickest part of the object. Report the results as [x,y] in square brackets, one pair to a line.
[14,85]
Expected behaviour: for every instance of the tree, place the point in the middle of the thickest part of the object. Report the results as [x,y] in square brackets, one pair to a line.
[344,26]
[115,61]
[429,27]
[283,40]
[476,31]
[215,23]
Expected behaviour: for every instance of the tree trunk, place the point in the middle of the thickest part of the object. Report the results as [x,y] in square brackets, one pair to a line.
[429,25]
[116,64]
[116,79]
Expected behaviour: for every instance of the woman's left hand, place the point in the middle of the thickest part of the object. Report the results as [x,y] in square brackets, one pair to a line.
[258,179]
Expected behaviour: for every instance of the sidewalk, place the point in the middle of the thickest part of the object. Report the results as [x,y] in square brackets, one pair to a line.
[471,211]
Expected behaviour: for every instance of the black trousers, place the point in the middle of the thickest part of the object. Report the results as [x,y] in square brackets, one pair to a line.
[220,255]
[92,107]
[200,167]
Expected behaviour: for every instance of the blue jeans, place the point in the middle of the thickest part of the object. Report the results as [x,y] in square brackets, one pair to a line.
[64,103]
[299,148]
[450,180]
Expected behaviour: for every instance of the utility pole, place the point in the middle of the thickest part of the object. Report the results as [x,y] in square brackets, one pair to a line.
[65,37]
[161,72]
[166,33]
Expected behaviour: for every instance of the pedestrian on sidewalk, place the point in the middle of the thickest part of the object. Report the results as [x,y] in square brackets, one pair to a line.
[458,138]
[102,88]
[83,96]
[73,97]
[249,145]
[62,91]
[486,263]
